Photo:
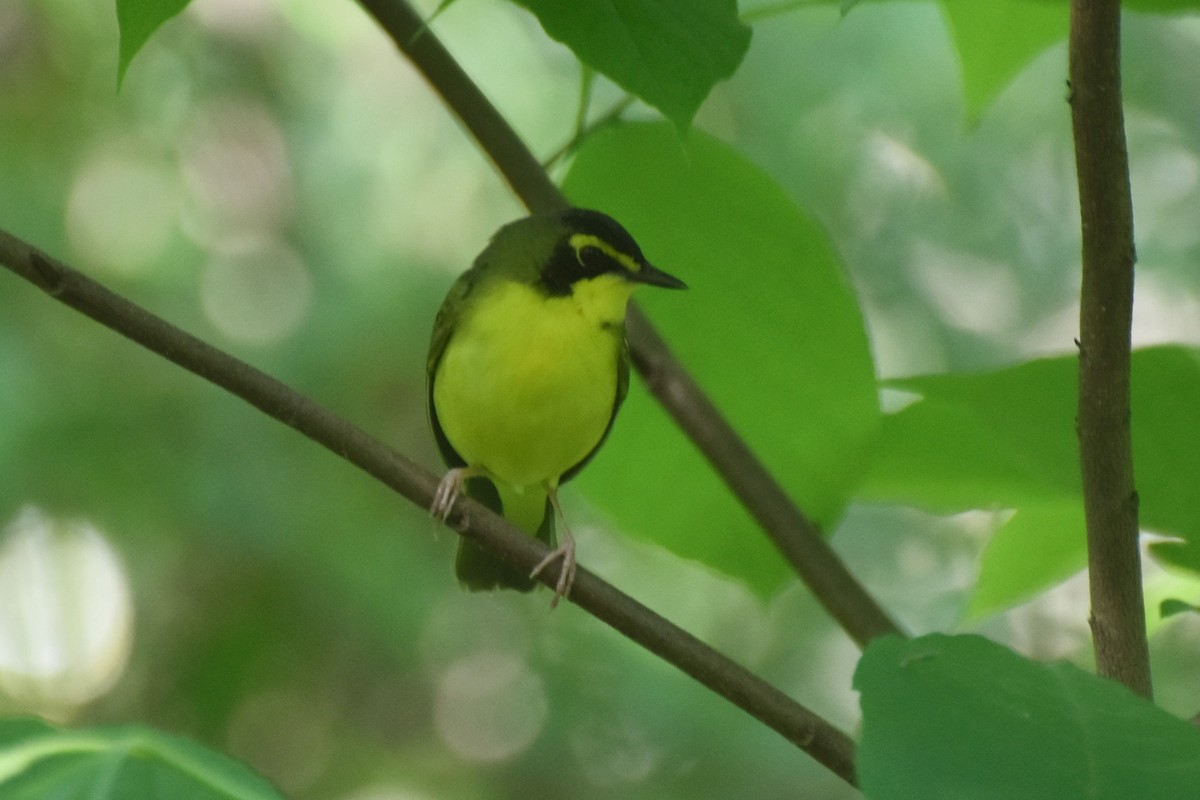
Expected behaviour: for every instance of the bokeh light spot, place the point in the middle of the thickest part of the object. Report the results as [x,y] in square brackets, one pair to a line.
[490,706]
[236,170]
[615,752]
[258,293]
[121,212]
[66,617]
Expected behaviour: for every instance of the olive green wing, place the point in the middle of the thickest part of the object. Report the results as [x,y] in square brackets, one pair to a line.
[443,330]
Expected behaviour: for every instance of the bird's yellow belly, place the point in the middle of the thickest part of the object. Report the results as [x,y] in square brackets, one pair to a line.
[526,388]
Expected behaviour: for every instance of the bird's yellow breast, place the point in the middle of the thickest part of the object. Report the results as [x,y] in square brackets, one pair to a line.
[527,383]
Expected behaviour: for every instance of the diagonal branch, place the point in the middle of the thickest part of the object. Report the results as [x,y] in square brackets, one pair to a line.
[1118,617]
[797,537]
[808,731]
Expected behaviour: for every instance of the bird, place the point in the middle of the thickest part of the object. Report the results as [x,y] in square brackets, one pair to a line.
[528,365]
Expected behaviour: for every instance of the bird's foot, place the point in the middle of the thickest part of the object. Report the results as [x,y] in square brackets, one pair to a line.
[566,573]
[448,491]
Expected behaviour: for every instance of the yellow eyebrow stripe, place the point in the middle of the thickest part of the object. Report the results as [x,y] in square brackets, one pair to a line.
[578,241]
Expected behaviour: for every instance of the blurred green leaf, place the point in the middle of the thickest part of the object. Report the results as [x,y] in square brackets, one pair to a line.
[769,328]
[670,53]
[38,761]
[1041,545]
[1163,6]
[997,39]
[1173,606]
[954,717]
[983,440]
[138,20]
[1006,439]
[1166,449]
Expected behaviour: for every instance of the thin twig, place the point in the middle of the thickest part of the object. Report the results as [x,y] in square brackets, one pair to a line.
[583,131]
[796,537]
[1118,616]
[587,82]
[824,742]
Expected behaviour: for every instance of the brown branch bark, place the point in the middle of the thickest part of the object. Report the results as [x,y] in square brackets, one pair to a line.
[1118,617]
[797,537]
[825,743]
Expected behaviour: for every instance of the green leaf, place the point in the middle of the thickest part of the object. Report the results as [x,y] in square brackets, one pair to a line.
[670,53]
[1040,546]
[137,21]
[1173,606]
[957,717]
[38,761]
[981,440]
[997,39]
[769,328]
[1006,439]
[1166,449]
[1163,6]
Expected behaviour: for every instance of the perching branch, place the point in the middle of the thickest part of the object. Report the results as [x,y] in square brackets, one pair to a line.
[824,742]
[1110,501]
[796,536]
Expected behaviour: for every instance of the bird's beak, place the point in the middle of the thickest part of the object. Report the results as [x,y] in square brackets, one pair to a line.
[656,277]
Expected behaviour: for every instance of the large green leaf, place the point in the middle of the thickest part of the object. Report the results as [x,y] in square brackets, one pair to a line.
[769,328]
[997,39]
[138,20]
[1006,439]
[981,440]
[1166,449]
[38,761]
[670,53]
[957,717]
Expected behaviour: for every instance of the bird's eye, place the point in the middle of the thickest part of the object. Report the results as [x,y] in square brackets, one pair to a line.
[592,259]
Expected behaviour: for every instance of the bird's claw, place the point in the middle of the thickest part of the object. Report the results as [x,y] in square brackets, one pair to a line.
[447,492]
[566,573]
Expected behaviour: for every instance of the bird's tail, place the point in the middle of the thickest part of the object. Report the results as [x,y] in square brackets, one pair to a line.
[529,510]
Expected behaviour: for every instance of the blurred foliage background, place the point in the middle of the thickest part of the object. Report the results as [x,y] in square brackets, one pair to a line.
[274,178]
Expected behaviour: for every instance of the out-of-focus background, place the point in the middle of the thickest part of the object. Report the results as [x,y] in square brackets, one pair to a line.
[273,177]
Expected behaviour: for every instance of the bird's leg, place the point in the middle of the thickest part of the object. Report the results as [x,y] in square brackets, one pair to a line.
[449,490]
[565,551]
